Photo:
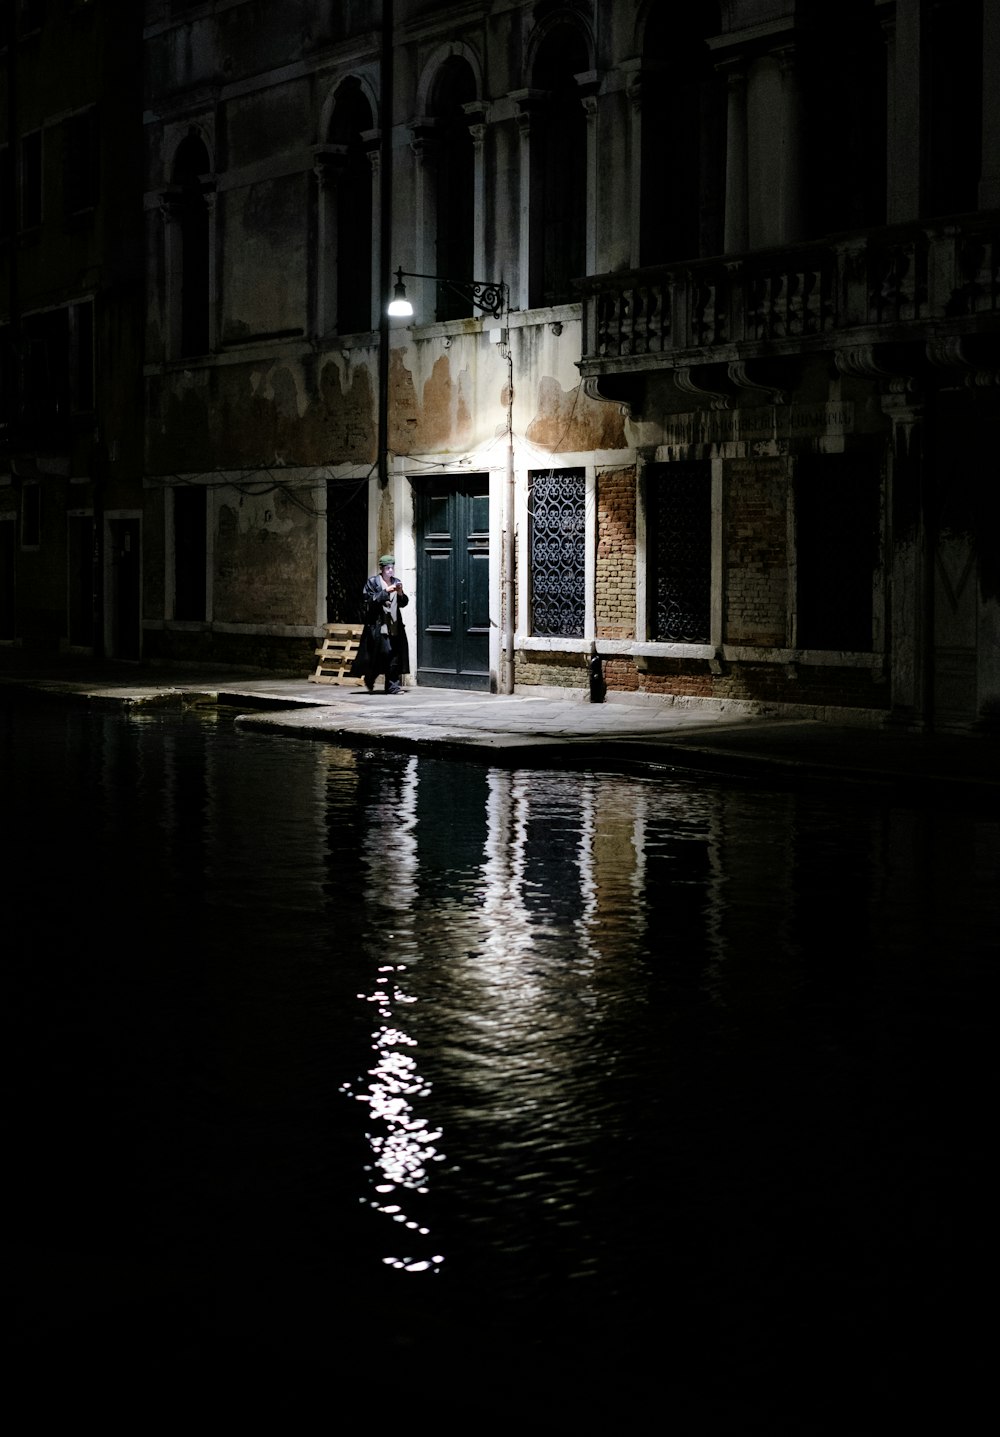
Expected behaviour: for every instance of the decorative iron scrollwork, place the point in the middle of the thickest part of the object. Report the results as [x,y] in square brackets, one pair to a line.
[558,526]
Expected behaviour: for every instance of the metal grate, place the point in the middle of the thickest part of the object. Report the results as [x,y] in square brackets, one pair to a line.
[558,527]
[680,512]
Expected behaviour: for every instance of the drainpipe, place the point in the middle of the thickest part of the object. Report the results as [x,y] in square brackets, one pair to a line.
[385,243]
[507,681]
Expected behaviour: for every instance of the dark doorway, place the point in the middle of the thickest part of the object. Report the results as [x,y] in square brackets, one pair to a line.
[453,544]
[190,552]
[82,570]
[8,545]
[346,549]
[837,540]
[124,616]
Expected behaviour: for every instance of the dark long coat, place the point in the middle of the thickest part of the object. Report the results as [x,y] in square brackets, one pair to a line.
[374,656]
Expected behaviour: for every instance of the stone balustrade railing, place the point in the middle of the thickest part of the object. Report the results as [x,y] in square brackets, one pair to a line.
[886,281]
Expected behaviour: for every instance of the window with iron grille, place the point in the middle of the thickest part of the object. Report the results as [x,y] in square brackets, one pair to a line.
[558,532]
[679,552]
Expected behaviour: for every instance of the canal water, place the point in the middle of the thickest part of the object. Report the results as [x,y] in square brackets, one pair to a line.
[628,1093]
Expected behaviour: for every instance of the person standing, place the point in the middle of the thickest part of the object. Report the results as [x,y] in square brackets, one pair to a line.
[383,648]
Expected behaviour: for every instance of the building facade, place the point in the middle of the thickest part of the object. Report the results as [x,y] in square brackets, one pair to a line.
[71,305]
[698,400]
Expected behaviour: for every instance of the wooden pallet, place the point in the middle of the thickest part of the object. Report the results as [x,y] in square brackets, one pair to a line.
[336,654]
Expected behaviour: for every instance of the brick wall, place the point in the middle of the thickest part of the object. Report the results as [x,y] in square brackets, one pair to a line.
[756,551]
[280,655]
[823,686]
[614,598]
[563,671]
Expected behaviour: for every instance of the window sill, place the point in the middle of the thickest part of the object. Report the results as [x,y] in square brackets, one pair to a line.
[644,650]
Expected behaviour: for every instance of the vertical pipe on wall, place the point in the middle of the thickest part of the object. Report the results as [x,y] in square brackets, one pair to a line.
[509,548]
[385,243]
[735,223]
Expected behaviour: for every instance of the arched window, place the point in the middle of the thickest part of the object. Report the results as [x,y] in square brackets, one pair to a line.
[559,149]
[842,49]
[350,176]
[454,87]
[681,209]
[192,256]
[953,145]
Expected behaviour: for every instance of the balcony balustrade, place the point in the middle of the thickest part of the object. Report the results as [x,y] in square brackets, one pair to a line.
[888,286]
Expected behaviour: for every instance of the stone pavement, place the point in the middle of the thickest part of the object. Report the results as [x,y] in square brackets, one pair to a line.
[541,730]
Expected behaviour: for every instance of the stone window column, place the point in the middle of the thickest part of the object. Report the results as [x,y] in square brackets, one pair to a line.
[903,60]
[211,204]
[373,148]
[790,196]
[423,144]
[633,89]
[328,165]
[477,130]
[911,559]
[736,231]
[589,85]
[172,260]
[528,110]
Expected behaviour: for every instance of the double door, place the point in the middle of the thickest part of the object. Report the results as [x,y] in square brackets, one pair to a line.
[453,562]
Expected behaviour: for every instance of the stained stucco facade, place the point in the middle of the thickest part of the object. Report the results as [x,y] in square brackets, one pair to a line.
[732,431]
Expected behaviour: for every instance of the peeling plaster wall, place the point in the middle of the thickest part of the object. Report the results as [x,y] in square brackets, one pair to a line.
[257,80]
[265,560]
[300,410]
[448,393]
[446,398]
[551,408]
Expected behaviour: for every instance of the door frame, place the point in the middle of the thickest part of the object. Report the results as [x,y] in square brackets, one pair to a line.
[460,678]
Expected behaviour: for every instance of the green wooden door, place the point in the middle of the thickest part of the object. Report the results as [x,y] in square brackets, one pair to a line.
[453,563]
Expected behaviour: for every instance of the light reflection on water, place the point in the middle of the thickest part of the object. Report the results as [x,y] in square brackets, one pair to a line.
[650,1063]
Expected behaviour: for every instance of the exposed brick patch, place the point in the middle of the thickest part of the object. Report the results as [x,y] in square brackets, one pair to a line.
[620,675]
[614,594]
[756,683]
[756,551]
[564,671]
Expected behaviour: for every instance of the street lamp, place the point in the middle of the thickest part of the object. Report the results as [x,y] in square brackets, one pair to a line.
[488,295]
[493,298]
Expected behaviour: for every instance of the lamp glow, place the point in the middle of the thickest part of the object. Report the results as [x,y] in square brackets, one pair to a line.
[399,305]
[490,296]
